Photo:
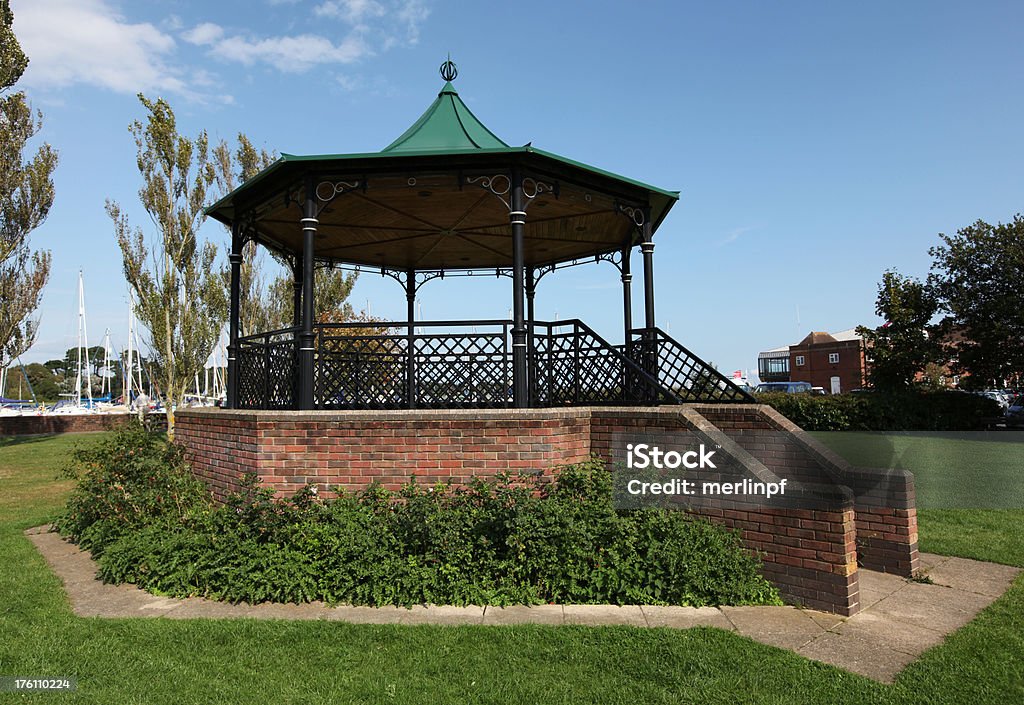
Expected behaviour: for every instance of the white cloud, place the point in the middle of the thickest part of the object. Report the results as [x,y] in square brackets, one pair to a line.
[87,41]
[288,54]
[373,26]
[351,11]
[206,33]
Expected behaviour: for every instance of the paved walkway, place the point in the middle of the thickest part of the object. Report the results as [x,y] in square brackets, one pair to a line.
[900,619]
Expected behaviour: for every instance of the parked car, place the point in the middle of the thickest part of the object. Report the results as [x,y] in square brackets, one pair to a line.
[1015,413]
[784,387]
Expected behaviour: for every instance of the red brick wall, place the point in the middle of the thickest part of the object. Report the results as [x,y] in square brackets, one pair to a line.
[352,449]
[884,501]
[64,423]
[810,554]
[817,370]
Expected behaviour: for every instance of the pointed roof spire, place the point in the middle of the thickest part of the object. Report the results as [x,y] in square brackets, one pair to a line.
[447,125]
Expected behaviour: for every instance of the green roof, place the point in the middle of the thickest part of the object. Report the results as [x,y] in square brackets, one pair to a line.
[447,125]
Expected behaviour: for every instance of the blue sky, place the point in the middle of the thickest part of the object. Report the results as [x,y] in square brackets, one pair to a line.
[815,144]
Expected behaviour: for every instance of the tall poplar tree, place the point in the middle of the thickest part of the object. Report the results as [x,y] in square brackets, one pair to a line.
[266,303]
[177,279]
[26,194]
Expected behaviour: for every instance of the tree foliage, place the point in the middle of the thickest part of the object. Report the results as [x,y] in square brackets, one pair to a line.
[979,276]
[232,169]
[26,195]
[178,283]
[267,300]
[905,344]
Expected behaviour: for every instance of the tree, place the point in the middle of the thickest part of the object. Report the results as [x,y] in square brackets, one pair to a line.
[978,275]
[906,343]
[233,169]
[26,194]
[267,306]
[178,283]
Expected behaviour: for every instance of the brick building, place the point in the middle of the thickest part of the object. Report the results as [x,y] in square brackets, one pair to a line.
[835,362]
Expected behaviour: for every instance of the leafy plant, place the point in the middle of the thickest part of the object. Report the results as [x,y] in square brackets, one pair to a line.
[502,540]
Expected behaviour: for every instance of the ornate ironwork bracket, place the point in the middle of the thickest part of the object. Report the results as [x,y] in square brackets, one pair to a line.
[501,186]
[327,191]
[614,258]
[634,213]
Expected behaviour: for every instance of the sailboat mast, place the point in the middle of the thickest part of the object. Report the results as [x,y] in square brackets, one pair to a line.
[81,317]
[85,337]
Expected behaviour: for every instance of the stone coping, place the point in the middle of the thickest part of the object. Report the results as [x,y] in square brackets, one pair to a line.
[900,620]
[544,413]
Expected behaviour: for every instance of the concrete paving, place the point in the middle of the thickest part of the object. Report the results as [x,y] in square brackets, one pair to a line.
[899,619]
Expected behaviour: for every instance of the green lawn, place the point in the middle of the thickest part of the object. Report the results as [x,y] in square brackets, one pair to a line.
[243,661]
[969,470]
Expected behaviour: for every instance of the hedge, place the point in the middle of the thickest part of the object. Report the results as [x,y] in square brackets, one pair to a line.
[496,541]
[875,411]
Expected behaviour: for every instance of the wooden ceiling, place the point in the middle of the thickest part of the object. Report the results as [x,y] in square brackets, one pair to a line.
[429,222]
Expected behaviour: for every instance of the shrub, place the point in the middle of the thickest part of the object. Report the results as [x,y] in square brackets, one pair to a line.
[914,410]
[130,480]
[495,541]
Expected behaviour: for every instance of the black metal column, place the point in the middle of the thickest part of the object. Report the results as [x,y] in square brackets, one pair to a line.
[520,385]
[647,249]
[627,294]
[235,258]
[410,359]
[297,292]
[306,338]
[531,292]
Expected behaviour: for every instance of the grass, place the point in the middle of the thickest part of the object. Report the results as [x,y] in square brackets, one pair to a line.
[970,486]
[968,470]
[244,661]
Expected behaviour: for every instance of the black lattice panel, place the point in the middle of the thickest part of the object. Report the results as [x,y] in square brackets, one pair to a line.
[361,372]
[266,375]
[681,372]
[462,371]
[250,377]
[576,367]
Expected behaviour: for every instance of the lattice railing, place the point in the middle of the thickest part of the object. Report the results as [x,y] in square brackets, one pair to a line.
[685,375]
[463,370]
[360,371]
[449,368]
[267,370]
[571,365]
[357,366]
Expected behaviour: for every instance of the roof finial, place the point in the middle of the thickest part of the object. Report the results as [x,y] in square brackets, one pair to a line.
[448,70]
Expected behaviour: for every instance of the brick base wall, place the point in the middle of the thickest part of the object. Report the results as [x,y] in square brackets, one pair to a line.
[65,423]
[811,554]
[884,500]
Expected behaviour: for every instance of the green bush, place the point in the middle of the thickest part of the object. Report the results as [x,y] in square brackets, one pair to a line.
[132,479]
[495,541]
[874,411]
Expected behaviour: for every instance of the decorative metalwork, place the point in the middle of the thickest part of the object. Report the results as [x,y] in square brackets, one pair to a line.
[267,370]
[469,365]
[451,370]
[634,213]
[448,70]
[498,184]
[463,370]
[571,365]
[360,371]
[327,191]
[533,188]
[614,258]
[678,370]
[501,186]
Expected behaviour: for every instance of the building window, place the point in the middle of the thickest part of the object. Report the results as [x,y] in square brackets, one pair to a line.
[833,358]
[799,360]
